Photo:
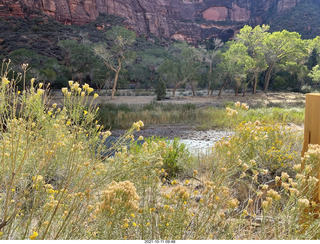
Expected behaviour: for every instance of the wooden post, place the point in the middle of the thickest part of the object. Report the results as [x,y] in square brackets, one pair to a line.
[312,129]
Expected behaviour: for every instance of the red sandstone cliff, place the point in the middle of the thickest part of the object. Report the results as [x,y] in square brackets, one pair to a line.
[180,19]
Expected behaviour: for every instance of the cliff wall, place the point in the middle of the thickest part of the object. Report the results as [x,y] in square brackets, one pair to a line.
[189,20]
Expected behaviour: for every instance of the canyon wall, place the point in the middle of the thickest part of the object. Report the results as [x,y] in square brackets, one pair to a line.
[189,20]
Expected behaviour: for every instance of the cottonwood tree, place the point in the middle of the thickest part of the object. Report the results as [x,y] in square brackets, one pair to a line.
[145,67]
[282,47]
[234,66]
[115,54]
[79,59]
[182,67]
[209,58]
[315,74]
[253,39]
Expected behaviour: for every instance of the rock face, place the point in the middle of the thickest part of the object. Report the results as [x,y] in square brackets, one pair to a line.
[190,20]
[287,4]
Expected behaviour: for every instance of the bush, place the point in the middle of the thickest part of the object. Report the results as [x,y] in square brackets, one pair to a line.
[161,90]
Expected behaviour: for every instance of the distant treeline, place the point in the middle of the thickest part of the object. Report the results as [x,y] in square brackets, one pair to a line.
[111,56]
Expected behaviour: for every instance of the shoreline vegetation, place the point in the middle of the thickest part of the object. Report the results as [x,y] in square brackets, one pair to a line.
[204,118]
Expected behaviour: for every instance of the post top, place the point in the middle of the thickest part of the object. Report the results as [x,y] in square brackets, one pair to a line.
[313,94]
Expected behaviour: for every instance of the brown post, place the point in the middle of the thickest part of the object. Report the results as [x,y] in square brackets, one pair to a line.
[312,128]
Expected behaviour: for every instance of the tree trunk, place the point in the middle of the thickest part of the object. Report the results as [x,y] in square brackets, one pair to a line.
[267,79]
[210,71]
[223,86]
[114,85]
[193,90]
[244,91]
[237,90]
[254,89]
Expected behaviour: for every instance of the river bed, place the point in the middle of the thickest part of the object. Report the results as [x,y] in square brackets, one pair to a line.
[195,140]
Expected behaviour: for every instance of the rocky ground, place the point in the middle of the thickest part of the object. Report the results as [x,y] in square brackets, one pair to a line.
[259,99]
[196,141]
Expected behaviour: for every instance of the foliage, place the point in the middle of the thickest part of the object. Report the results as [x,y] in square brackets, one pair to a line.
[253,38]
[114,57]
[182,67]
[122,116]
[56,182]
[161,90]
[234,65]
[282,47]
[315,74]
[176,157]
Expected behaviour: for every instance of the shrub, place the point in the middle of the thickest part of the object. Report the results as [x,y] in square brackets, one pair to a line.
[161,90]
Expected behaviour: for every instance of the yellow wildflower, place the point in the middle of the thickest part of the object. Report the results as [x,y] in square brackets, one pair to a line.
[90,89]
[34,235]
[64,90]
[5,81]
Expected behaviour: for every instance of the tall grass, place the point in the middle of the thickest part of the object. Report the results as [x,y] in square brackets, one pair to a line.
[122,116]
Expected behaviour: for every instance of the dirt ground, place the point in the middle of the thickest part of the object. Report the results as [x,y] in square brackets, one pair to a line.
[260,99]
[281,99]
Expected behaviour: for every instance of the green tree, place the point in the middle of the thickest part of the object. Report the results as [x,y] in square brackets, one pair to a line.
[313,59]
[234,66]
[79,58]
[181,67]
[253,39]
[282,47]
[209,58]
[114,55]
[315,74]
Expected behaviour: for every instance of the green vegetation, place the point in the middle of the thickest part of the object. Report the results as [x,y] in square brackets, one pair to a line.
[161,90]
[122,116]
[59,178]
[58,184]
[112,56]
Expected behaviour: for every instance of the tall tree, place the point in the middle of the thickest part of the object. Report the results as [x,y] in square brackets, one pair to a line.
[114,56]
[78,58]
[145,67]
[234,66]
[253,39]
[282,47]
[209,58]
[182,67]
